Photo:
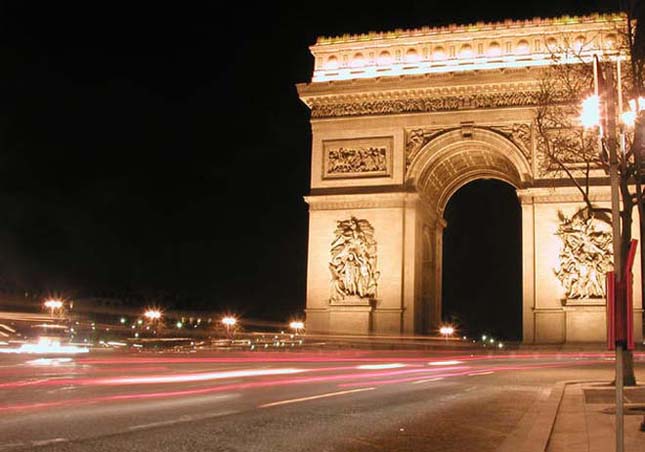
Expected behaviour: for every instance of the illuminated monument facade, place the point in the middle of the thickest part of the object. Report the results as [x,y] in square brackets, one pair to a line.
[400,121]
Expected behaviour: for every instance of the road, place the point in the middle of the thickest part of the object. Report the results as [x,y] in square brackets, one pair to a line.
[279,401]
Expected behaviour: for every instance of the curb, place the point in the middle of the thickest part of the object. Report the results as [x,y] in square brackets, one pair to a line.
[534,430]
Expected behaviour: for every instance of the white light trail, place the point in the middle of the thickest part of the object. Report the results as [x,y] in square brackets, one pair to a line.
[185,378]
[49,361]
[444,363]
[45,346]
[380,366]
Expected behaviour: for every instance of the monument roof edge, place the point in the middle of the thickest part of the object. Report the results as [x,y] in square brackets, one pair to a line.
[465,28]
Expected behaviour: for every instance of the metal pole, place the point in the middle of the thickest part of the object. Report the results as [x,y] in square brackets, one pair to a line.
[613,173]
[618,262]
[620,427]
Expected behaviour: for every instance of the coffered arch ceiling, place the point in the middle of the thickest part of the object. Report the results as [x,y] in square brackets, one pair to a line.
[455,157]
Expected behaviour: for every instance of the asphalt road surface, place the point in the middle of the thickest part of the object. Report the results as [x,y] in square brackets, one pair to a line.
[278,401]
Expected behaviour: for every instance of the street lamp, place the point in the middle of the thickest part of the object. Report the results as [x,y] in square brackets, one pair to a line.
[53,305]
[446,330]
[152,314]
[635,106]
[590,112]
[154,317]
[229,323]
[297,326]
[591,118]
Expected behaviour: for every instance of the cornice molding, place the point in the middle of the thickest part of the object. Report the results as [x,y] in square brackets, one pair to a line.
[436,99]
[562,194]
[362,201]
[412,87]
[513,26]
[463,48]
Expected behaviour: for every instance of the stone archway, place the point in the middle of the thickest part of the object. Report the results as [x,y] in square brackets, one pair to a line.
[391,143]
[452,158]
[440,167]
[481,265]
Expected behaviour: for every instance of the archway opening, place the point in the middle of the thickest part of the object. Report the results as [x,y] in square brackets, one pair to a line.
[482,260]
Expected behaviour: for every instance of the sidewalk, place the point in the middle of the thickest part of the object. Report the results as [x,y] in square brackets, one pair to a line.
[585,419]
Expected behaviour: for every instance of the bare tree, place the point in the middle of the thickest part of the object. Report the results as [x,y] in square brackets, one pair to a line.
[571,152]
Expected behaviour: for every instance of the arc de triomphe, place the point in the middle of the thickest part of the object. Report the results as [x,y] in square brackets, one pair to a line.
[400,121]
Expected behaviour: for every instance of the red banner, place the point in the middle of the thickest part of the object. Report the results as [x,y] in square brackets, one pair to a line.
[620,303]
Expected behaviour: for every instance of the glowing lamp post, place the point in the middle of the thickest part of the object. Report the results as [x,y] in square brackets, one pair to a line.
[599,111]
[229,323]
[635,107]
[590,112]
[446,331]
[152,315]
[297,326]
[53,305]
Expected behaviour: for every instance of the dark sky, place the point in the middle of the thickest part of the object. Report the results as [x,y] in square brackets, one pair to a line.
[163,149]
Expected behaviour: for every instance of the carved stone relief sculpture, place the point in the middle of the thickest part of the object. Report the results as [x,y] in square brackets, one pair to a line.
[357,158]
[416,138]
[585,257]
[513,97]
[353,260]
[520,134]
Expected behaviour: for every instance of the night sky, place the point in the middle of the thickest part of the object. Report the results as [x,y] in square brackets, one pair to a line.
[162,150]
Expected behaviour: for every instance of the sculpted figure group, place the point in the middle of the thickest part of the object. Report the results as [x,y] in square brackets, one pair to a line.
[359,160]
[585,257]
[353,260]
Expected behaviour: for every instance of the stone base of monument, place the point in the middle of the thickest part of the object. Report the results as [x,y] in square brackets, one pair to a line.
[585,321]
[353,300]
[583,302]
[351,315]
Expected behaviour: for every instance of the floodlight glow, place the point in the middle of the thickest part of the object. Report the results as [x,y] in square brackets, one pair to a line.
[629,117]
[384,59]
[152,314]
[53,304]
[297,325]
[229,321]
[447,330]
[590,114]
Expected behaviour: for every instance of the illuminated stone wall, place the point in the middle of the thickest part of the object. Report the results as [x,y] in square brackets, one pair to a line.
[395,136]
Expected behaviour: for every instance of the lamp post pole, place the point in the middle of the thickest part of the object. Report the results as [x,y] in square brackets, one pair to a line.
[610,116]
